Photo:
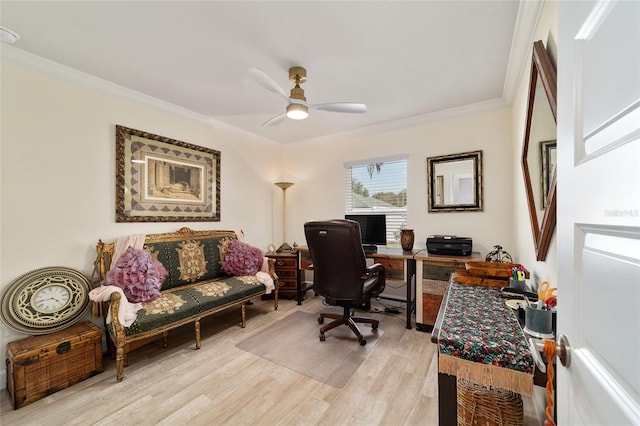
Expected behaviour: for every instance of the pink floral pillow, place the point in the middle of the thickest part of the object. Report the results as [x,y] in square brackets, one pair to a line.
[138,275]
[242,259]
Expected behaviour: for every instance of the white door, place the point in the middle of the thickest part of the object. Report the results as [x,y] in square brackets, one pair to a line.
[599,211]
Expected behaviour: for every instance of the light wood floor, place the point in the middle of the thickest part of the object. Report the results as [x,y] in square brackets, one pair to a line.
[223,385]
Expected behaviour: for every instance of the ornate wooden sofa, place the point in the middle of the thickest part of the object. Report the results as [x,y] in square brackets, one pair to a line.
[196,286]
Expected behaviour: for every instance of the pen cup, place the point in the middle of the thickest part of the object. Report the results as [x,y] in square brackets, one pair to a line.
[518,284]
[538,320]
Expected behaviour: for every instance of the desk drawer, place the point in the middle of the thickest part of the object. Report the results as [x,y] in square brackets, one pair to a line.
[390,264]
[434,272]
[288,285]
[430,307]
[393,269]
[290,262]
[287,274]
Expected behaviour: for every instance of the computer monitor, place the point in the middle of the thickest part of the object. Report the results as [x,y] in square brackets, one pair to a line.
[373,229]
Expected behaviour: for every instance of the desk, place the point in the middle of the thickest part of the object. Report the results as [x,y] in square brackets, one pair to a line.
[432,274]
[479,338]
[383,253]
[392,254]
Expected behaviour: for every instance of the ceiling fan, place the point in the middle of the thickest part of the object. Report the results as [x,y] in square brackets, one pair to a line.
[297,105]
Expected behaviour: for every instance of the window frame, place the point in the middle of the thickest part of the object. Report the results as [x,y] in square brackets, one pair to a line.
[393,229]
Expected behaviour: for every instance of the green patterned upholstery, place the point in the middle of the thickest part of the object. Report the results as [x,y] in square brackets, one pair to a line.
[191,260]
[196,286]
[191,301]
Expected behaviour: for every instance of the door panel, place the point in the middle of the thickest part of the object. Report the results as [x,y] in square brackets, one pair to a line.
[610,301]
[599,211]
[618,67]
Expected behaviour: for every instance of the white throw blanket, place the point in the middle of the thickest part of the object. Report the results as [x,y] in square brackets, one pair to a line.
[128,310]
[263,275]
[123,243]
[266,279]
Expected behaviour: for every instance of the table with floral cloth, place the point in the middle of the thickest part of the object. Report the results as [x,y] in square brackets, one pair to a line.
[480,339]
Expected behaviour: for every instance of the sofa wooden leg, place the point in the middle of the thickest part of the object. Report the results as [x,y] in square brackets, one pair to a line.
[197,327]
[119,364]
[165,340]
[244,318]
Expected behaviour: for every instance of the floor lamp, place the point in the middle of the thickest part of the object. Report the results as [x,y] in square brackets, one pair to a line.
[285,247]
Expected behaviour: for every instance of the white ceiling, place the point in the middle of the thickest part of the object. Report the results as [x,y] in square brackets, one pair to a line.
[408,61]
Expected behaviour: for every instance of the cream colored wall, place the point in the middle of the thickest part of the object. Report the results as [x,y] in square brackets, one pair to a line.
[319,173]
[546,30]
[58,179]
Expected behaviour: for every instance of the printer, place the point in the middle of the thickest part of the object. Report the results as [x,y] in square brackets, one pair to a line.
[449,245]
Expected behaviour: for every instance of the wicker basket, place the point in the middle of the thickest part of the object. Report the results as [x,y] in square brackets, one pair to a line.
[485,406]
[38,366]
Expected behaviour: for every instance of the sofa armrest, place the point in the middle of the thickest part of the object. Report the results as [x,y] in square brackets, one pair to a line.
[271,268]
[102,264]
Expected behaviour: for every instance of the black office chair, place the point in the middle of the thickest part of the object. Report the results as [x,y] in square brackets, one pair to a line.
[340,272]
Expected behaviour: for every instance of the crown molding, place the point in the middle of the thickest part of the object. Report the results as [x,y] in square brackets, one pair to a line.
[62,72]
[519,55]
[416,121]
[526,23]
[71,75]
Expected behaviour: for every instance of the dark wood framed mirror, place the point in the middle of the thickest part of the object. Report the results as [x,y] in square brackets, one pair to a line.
[455,182]
[539,137]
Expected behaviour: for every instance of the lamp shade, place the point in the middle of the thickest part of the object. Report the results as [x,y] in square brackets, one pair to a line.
[284,185]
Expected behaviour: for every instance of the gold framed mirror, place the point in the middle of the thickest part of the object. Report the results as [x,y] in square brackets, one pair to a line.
[538,150]
[455,182]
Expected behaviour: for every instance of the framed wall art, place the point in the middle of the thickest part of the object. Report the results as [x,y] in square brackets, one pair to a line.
[455,182]
[159,179]
[548,160]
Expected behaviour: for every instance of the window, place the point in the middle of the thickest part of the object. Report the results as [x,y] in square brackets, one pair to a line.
[379,186]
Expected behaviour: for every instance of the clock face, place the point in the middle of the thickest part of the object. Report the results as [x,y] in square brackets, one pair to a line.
[51,298]
[45,300]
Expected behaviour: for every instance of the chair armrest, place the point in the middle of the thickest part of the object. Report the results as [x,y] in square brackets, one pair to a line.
[378,271]
[376,268]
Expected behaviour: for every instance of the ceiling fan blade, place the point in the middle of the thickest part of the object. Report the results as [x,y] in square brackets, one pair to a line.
[263,79]
[274,121]
[350,107]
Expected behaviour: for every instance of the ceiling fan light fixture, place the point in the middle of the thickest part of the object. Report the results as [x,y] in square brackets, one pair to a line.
[297,106]
[8,36]
[297,111]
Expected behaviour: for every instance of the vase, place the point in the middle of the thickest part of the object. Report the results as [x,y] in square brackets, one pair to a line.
[407,237]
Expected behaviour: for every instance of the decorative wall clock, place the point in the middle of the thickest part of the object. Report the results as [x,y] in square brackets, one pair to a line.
[45,300]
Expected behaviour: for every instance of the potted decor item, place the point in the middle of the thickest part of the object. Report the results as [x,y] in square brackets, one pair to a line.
[407,237]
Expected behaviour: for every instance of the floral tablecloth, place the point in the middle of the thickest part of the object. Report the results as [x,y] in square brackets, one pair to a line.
[481,340]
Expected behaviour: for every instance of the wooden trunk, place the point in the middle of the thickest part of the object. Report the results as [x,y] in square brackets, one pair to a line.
[41,365]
